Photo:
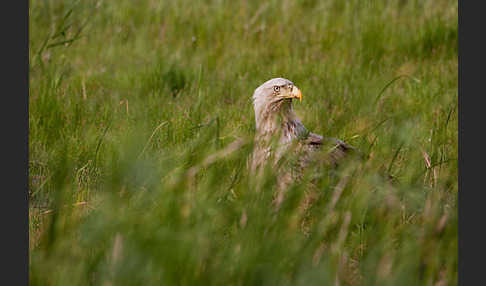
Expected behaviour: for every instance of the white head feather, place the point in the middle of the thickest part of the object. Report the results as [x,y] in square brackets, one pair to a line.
[263,97]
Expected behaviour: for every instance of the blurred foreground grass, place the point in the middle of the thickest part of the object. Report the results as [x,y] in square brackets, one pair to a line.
[128,99]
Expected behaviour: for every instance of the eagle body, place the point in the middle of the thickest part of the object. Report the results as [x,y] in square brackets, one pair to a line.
[280,134]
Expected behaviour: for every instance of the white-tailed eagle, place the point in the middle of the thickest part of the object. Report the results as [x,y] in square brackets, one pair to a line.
[279,132]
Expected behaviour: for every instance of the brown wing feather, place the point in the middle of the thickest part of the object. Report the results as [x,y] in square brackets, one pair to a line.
[338,149]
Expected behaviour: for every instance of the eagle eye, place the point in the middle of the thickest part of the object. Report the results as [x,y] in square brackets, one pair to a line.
[276,88]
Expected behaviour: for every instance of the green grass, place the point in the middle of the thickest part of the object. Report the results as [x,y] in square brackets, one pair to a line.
[129,99]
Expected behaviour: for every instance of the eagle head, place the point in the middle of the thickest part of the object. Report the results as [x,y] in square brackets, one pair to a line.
[273,100]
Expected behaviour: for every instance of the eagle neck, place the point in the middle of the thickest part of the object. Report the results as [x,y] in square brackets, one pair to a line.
[277,118]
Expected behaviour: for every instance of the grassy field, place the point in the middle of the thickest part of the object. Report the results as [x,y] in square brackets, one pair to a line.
[141,123]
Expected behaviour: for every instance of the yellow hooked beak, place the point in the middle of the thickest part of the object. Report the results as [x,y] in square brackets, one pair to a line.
[295,93]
